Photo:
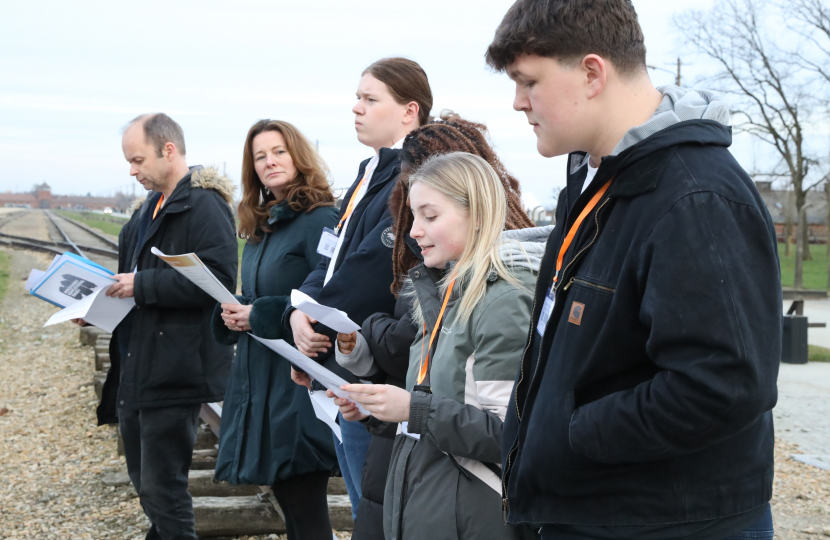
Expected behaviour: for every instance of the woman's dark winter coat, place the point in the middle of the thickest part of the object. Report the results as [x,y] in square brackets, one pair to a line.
[162,354]
[269,430]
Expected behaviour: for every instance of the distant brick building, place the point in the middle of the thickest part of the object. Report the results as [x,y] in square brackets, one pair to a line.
[41,197]
[780,203]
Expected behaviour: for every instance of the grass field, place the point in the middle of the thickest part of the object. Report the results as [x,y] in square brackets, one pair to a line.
[818,354]
[815,271]
[4,274]
[108,224]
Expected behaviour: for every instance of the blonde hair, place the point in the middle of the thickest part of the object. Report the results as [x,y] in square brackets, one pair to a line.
[471,183]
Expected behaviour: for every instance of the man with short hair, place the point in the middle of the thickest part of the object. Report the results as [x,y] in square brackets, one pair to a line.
[642,407]
[164,361]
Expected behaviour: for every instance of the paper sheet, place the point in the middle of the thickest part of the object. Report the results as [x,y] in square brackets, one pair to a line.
[327,378]
[192,267]
[34,276]
[326,410]
[68,279]
[97,309]
[331,317]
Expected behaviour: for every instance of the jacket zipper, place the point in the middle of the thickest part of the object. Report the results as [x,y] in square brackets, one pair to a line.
[589,285]
[505,501]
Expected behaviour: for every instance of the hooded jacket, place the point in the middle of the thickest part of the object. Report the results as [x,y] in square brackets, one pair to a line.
[171,358]
[646,400]
[445,484]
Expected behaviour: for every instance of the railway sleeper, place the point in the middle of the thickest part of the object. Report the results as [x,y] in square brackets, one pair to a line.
[220,508]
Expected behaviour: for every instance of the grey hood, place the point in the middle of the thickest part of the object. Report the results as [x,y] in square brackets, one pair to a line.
[678,105]
[524,248]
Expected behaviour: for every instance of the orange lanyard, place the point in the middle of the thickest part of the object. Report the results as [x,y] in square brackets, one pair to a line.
[350,207]
[572,232]
[158,206]
[422,374]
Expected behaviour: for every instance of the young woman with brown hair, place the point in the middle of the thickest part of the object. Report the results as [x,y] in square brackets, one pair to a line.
[393,98]
[270,435]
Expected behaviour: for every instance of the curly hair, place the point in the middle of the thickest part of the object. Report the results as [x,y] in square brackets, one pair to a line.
[450,134]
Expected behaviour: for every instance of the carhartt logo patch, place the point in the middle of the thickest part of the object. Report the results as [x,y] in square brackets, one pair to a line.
[576,313]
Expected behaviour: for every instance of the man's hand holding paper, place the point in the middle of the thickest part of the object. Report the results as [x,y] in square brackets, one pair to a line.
[124,287]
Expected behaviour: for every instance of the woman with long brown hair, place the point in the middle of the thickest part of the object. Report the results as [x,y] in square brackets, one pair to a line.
[270,435]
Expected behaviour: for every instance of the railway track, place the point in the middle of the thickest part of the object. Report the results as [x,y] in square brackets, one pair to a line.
[222,509]
[45,231]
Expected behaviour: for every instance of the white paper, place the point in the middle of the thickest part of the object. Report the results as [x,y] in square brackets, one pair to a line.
[327,378]
[69,279]
[34,276]
[97,309]
[326,410]
[191,266]
[331,317]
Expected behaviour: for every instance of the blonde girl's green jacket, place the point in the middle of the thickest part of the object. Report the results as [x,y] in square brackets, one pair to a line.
[445,484]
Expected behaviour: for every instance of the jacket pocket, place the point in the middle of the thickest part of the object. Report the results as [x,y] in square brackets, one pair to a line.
[590,284]
[177,359]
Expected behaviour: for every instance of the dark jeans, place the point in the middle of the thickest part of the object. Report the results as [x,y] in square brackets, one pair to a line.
[158,445]
[304,501]
[760,530]
[351,455]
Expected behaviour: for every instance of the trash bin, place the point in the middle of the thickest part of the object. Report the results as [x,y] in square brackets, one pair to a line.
[794,340]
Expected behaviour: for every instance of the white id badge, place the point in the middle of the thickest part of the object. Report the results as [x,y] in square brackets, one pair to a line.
[328,243]
[547,309]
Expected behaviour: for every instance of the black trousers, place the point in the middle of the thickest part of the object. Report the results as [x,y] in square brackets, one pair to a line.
[158,445]
[303,499]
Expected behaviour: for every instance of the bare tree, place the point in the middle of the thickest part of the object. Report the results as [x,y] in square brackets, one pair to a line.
[811,20]
[773,91]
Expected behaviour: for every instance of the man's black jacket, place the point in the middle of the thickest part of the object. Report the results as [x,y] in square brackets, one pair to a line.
[172,358]
[363,269]
[648,399]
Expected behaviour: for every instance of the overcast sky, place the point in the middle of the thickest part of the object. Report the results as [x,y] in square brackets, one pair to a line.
[73,73]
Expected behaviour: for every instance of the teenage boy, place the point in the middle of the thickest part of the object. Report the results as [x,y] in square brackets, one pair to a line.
[642,408]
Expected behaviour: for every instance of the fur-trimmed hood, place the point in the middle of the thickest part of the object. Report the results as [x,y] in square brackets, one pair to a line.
[205,178]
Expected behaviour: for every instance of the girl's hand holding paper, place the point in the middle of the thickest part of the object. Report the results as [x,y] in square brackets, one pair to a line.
[384,401]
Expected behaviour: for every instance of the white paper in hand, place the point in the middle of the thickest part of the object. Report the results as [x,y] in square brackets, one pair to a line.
[326,410]
[327,378]
[191,266]
[97,309]
[331,317]
[34,277]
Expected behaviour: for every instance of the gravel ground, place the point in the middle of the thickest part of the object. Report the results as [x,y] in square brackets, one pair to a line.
[53,458]
[34,225]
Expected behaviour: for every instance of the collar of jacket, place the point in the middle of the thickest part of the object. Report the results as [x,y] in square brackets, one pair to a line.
[386,157]
[634,174]
[176,201]
[281,212]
